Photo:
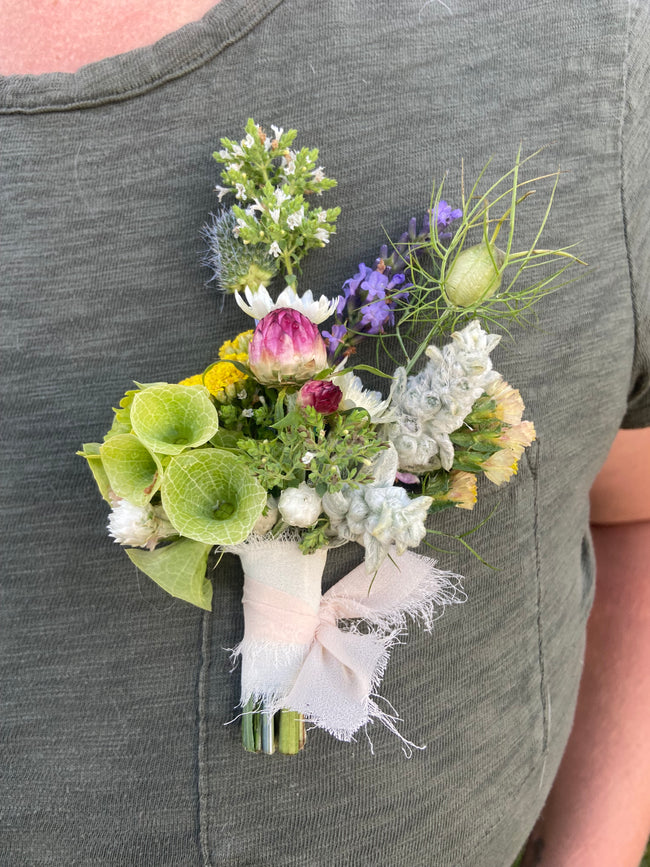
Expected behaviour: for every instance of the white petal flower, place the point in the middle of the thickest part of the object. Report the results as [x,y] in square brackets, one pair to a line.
[354,394]
[275,250]
[260,303]
[274,214]
[315,311]
[222,191]
[240,191]
[248,142]
[277,131]
[322,235]
[280,195]
[139,526]
[301,506]
[318,174]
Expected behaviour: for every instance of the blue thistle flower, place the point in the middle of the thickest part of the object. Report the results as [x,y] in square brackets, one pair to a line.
[235,265]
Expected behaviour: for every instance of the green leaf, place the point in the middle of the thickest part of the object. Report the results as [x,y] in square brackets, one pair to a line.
[172,418]
[179,568]
[133,471]
[211,496]
[90,451]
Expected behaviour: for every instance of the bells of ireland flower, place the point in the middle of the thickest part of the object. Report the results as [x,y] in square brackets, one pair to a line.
[286,348]
[474,275]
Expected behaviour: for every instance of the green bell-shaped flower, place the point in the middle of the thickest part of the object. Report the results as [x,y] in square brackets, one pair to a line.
[133,471]
[172,418]
[212,497]
[473,276]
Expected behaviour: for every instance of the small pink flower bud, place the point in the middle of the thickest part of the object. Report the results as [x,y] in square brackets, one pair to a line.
[322,394]
[286,347]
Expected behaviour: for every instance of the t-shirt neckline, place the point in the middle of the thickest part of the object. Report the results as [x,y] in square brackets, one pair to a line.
[135,72]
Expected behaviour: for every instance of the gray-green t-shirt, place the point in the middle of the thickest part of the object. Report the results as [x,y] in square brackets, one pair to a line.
[115,696]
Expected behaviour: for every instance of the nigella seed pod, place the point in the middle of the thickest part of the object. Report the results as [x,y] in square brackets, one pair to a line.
[473,276]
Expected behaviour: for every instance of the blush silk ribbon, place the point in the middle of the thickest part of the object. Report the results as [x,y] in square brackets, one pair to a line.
[331,669]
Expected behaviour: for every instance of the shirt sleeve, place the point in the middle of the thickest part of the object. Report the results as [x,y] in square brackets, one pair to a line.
[635,144]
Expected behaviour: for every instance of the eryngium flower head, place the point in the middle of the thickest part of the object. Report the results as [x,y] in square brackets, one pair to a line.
[286,348]
[235,265]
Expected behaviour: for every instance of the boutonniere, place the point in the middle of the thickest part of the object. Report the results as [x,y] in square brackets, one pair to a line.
[277,453]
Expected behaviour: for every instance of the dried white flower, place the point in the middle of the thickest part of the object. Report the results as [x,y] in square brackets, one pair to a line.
[268,518]
[139,526]
[301,506]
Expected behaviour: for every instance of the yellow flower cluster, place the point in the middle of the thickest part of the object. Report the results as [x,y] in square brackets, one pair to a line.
[220,378]
[237,349]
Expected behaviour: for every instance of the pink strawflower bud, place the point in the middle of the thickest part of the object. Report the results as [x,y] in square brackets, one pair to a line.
[286,348]
[322,394]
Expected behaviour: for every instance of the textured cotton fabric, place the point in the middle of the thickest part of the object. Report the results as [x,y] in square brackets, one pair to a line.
[116,697]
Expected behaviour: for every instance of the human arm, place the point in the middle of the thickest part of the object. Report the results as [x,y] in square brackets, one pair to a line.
[598,811]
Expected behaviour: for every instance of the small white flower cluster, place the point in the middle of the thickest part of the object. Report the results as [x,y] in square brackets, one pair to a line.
[379,515]
[434,403]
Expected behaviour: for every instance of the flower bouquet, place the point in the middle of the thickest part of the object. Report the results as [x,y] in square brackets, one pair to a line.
[277,453]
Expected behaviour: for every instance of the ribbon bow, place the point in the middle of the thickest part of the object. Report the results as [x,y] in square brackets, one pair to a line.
[302,657]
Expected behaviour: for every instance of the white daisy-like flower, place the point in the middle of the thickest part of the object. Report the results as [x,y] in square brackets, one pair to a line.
[258,304]
[355,395]
[275,250]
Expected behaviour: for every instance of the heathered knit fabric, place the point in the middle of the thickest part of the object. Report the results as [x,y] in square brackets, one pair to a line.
[115,696]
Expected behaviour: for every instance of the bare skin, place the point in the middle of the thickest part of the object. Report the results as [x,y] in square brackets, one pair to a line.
[40,36]
[598,812]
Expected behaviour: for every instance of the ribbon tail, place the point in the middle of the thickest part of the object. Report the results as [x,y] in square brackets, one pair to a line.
[336,687]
